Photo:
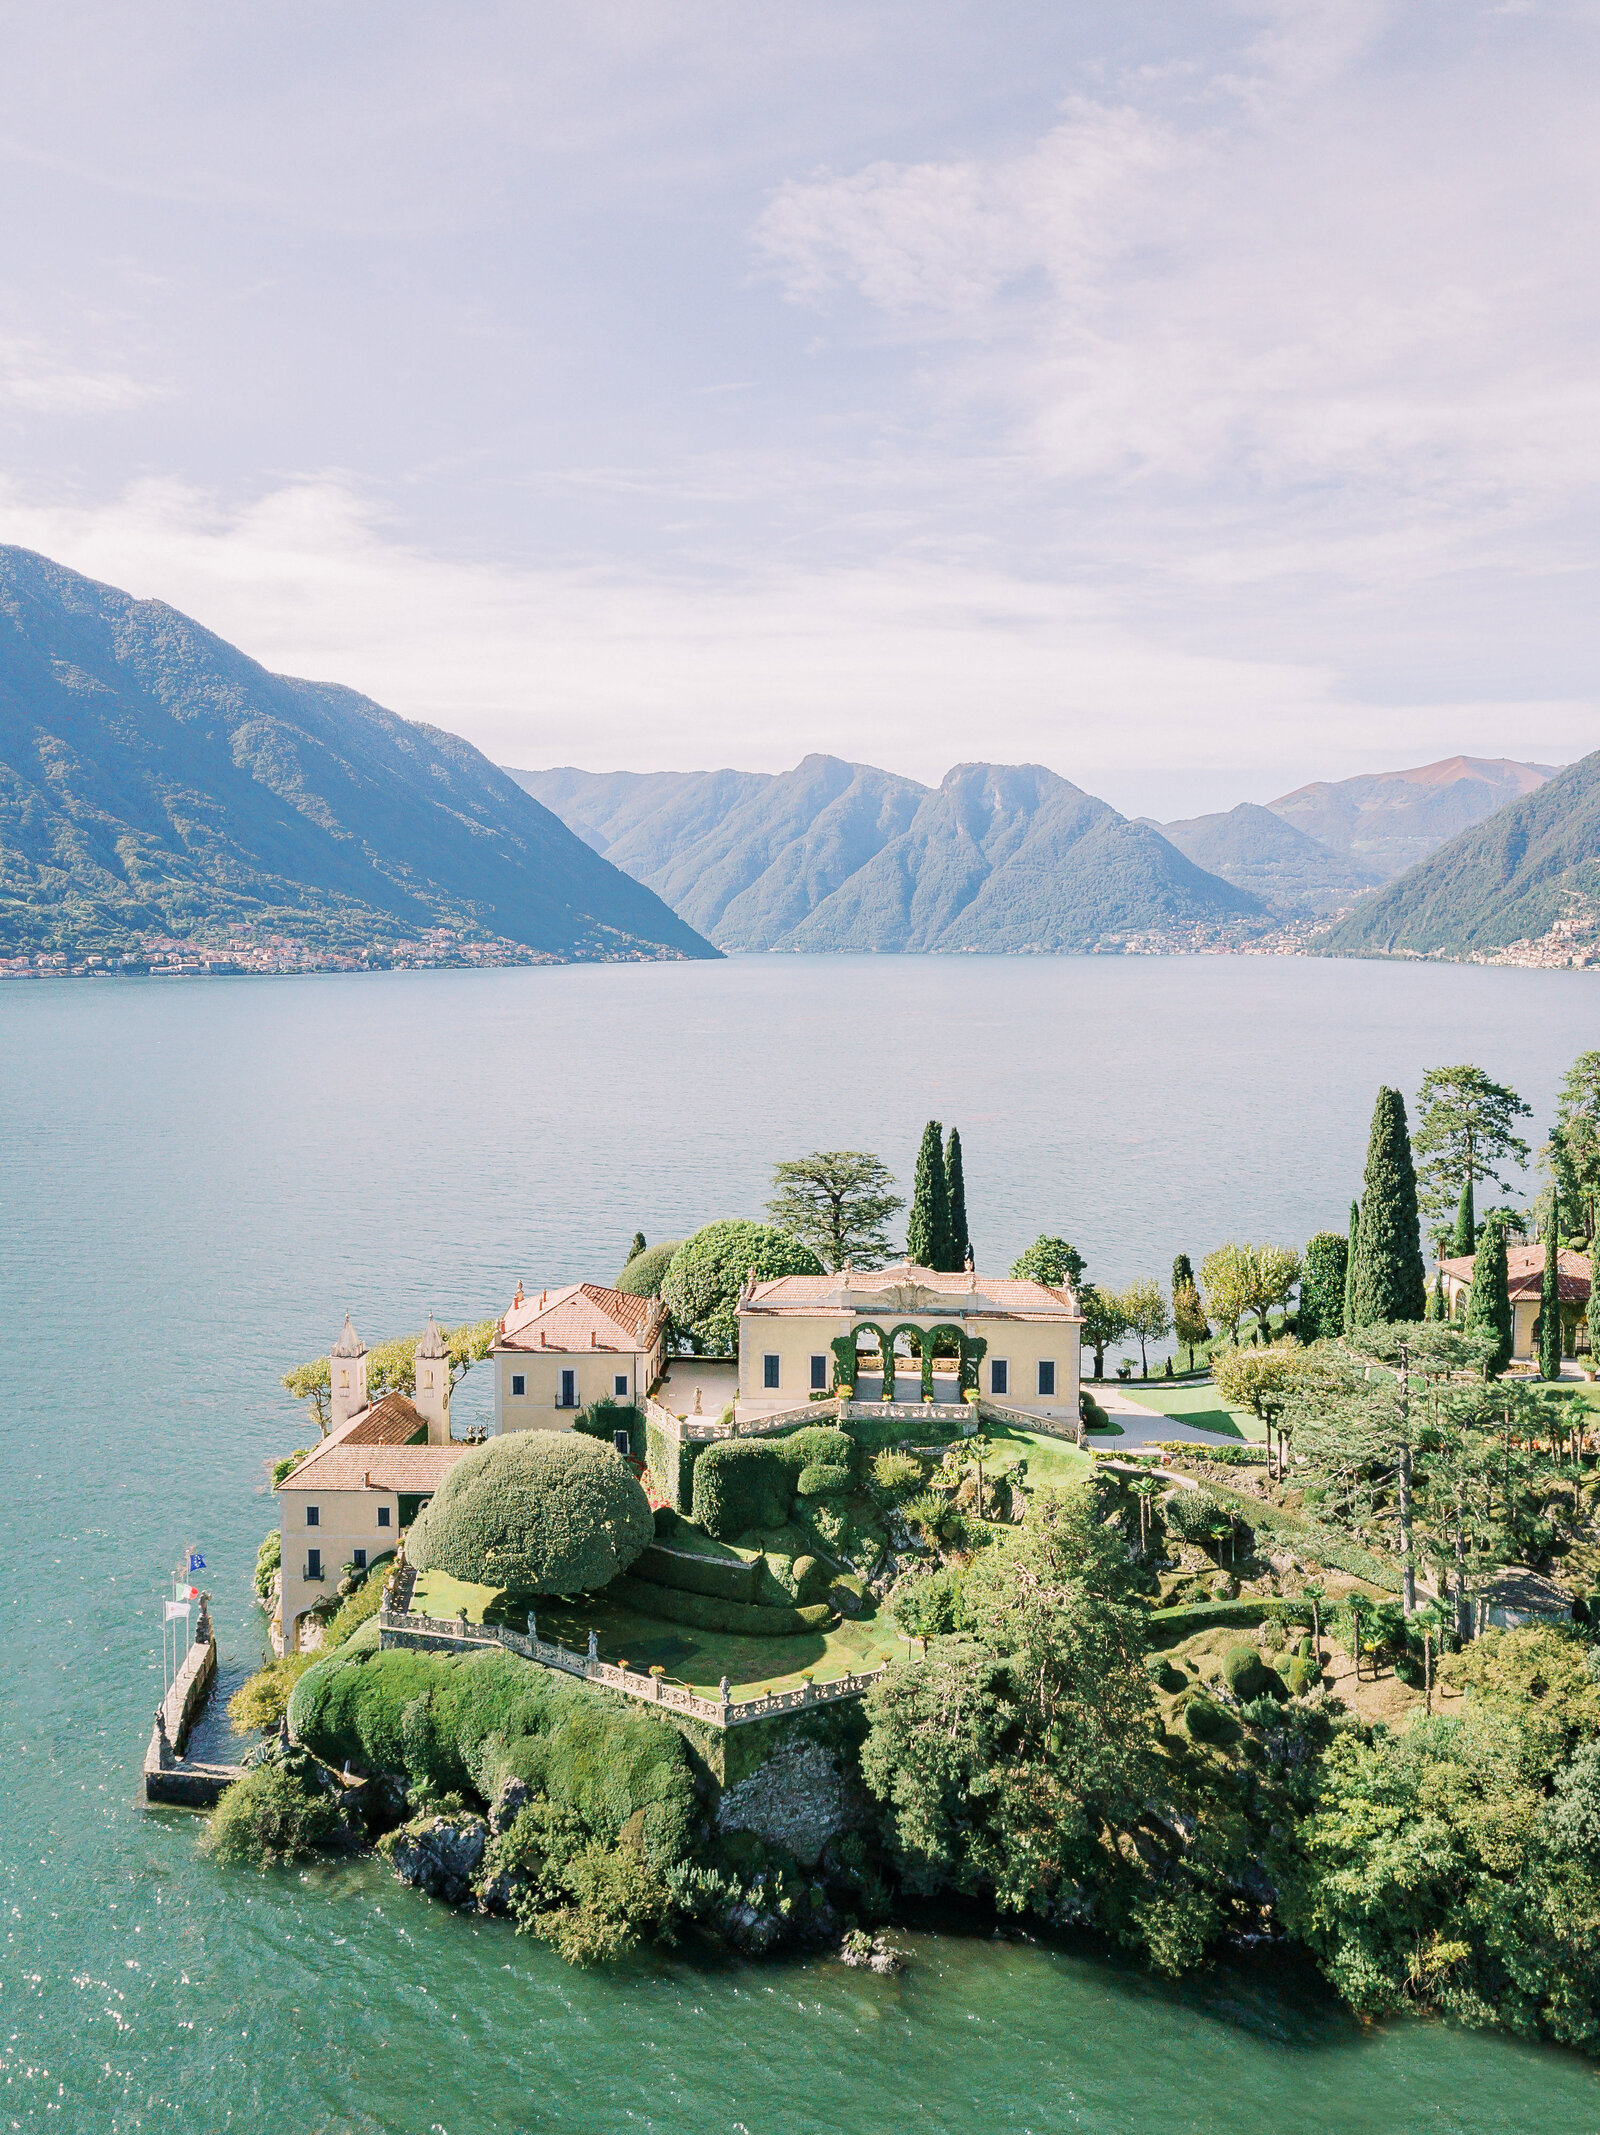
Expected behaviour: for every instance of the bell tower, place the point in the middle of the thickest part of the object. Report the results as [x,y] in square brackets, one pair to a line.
[432,1396]
[347,1368]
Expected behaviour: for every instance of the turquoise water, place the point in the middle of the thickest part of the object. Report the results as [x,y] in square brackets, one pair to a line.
[199,1176]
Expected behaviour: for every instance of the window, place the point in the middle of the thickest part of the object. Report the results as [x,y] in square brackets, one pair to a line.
[383,1515]
[358,1557]
[569,1391]
[313,1516]
[819,1373]
[619,1385]
[769,1371]
[313,1564]
[519,1383]
[999,1376]
[1047,1376]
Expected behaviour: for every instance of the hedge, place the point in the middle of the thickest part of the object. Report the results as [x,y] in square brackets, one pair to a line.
[706,1613]
[1309,1540]
[725,1578]
[740,1483]
[671,1462]
[536,1512]
[605,1417]
[470,1722]
[1168,1626]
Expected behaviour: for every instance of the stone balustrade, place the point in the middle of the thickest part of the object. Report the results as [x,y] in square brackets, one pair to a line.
[409,1628]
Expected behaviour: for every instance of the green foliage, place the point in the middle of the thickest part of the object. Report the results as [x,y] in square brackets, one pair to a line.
[1245,1671]
[1145,1316]
[1322,1282]
[1464,1134]
[709,1270]
[1351,1243]
[312,1383]
[284,1468]
[1550,1299]
[838,1202]
[392,1366]
[602,1419]
[955,1182]
[898,1475]
[470,1723]
[927,1604]
[740,1483]
[646,1273]
[822,1479]
[618,1898]
[707,1613]
[269,1816]
[728,1578]
[1103,1322]
[537,1512]
[1207,1722]
[259,1704]
[1172,1626]
[1464,1237]
[1387,1281]
[1051,1261]
[269,1558]
[1194,1514]
[928,1241]
[1489,1302]
[1302,1675]
[361,1606]
[1578,1124]
[638,1246]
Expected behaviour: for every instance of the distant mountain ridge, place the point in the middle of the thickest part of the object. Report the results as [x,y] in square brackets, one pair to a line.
[153,779]
[1528,875]
[1257,850]
[1000,858]
[1386,821]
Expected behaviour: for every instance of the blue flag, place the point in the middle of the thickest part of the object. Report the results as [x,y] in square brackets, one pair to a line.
[197,1563]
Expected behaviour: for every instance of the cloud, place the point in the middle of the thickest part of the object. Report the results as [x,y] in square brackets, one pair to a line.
[36,379]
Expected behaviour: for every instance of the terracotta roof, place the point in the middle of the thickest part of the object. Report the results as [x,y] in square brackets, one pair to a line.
[1525,1273]
[877,1291]
[582,1315]
[344,1466]
[393,1421]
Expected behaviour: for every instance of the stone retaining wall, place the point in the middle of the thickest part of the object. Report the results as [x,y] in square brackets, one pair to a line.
[168,1776]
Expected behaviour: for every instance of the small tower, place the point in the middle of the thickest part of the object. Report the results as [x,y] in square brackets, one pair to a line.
[347,1369]
[432,1396]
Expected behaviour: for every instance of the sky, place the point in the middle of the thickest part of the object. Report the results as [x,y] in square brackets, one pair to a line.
[1196,398]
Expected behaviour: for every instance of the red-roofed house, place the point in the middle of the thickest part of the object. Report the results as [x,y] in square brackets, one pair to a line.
[563,1349]
[1031,1336]
[1524,1281]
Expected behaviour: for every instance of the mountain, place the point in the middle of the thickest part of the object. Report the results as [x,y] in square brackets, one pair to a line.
[1388,820]
[154,779]
[839,856]
[1257,851]
[1529,875]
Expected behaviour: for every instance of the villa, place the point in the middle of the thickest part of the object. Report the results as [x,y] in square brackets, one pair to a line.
[1013,1341]
[558,1352]
[1524,1280]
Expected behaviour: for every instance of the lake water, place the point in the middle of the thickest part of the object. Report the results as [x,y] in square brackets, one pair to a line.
[199,1176]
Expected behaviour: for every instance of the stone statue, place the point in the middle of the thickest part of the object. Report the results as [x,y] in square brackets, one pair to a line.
[533,1631]
[697,1400]
[594,1647]
[722,1689]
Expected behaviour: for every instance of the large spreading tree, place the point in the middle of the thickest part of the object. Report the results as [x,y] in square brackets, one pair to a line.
[1578,1123]
[838,1202]
[1051,1261]
[1465,1134]
[1387,1280]
[708,1272]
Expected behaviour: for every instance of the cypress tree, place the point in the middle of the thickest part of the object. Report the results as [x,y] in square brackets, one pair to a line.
[928,1230]
[1464,1238]
[956,1194]
[1550,1298]
[1386,1280]
[1592,1313]
[1182,1274]
[1349,1325]
[1322,1281]
[1437,1309]
[1489,1305]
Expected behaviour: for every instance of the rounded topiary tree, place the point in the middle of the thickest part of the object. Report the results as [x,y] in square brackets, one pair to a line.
[708,1270]
[647,1271]
[538,1512]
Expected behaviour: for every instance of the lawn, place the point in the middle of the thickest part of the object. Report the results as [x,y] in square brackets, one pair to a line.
[1052,1462]
[697,1658]
[1198,1406]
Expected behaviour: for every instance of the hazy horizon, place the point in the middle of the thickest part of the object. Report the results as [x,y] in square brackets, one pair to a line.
[1196,400]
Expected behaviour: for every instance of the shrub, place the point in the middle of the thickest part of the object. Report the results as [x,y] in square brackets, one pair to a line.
[361,1606]
[605,1417]
[1162,1672]
[811,1578]
[926,1604]
[1171,1625]
[1206,1722]
[1244,1670]
[261,1702]
[1302,1675]
[646,1273]
[726,1578]
[268,1559]
[269,1815]
[740,1483]
[472,1722]
[898,1475]
[1192,1514]
[702,1286]
[281,1469]
[822,1479]
[706,1613]
[538,1512]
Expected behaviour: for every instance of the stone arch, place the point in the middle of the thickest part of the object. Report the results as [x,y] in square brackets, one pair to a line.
[930,1343]
[853,1340]
[910,1328]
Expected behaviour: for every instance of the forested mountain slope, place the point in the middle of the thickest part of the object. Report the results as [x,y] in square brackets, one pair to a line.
[153,779]
[1529,872]
[1256,850]
[1386,821]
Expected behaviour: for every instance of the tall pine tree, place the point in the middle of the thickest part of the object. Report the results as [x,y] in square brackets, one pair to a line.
[1464,1238]
[1182,1274]
[1322,1281]
[928,1230]
[1387,1282]
[1489,1305]
[1350,1265]
[1550,1297]
[956,1198]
